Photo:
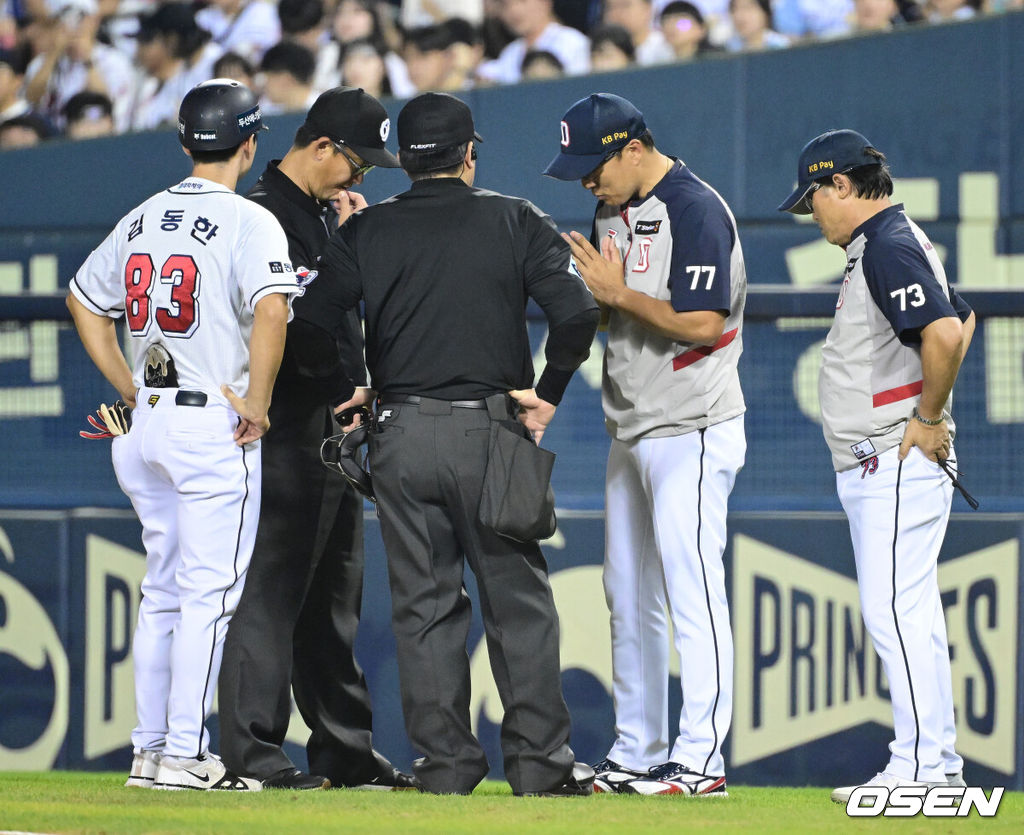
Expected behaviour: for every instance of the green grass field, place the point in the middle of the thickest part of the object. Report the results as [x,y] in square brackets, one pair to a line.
[76,802]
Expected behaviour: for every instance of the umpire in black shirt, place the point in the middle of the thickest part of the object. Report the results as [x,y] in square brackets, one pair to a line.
[445,271]
[297,618]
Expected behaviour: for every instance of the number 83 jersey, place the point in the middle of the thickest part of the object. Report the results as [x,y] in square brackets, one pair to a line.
[680,244]
[186,269]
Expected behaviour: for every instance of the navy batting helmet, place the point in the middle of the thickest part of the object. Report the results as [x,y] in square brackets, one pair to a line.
[217,115]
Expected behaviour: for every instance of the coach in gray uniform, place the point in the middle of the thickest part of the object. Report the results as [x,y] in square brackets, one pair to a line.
[887,371]
[445,271]
[670,273]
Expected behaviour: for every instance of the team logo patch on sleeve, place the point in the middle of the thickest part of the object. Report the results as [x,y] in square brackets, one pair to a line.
[304,275]
[275,267]
[647,227]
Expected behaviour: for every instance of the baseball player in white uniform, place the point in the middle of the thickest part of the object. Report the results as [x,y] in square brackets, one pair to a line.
[887,371]
[670,273]
[201,276]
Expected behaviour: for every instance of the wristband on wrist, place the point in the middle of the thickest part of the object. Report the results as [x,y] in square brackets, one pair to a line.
[917,416]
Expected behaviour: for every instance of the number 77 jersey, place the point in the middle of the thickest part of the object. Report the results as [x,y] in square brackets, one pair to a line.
[186,269]
[679,244]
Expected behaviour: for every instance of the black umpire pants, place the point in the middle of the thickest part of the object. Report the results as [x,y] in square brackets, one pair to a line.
[296,621]
[428,464]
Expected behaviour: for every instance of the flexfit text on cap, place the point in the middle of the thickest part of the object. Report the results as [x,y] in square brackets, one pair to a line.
[591,129]
[834,152]
[435,121]
[356,119]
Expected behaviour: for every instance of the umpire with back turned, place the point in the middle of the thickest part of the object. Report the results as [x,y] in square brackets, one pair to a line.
[445,271]
[296,622]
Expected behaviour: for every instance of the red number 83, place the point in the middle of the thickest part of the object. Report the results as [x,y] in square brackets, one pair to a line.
[181,318]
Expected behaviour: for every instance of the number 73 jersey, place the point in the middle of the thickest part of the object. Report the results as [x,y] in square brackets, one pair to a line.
[678,244]
[871,375]
[186,269]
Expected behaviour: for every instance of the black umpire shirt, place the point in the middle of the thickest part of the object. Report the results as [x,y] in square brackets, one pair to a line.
[445,271]
[314,370]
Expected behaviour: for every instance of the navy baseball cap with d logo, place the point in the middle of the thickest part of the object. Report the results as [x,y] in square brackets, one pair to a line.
[591,129]
[834,152]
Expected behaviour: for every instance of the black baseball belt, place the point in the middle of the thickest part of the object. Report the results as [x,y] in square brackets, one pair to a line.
[500,405]
[190,398]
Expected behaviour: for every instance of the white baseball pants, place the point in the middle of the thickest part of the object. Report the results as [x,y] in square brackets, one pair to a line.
[666,503]
[197,496]
[898,515]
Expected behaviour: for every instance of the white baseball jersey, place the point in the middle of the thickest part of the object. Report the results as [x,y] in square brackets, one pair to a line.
[680,244]
[871,377]
[186,269]
[675,411]
[871,374]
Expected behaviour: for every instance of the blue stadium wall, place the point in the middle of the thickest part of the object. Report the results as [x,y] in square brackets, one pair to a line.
[944,105]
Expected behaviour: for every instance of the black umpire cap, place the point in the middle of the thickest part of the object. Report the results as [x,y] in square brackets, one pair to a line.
[355,119]
[431,127]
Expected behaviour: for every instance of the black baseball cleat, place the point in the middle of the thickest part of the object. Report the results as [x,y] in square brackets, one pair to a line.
[579,784]
[388,780]
[292,778]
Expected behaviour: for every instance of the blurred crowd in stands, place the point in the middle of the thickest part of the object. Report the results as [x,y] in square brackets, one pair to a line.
[84,68]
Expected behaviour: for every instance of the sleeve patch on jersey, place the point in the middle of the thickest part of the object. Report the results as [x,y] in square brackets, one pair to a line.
[647,227]
[304,275]
[280,266]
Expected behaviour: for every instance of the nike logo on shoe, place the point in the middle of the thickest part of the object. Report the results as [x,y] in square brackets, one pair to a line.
[202,778]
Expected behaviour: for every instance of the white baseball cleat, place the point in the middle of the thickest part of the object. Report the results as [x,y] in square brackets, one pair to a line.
[676,778]
[610,777]
[206,773]
[883,778]
[144,768]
